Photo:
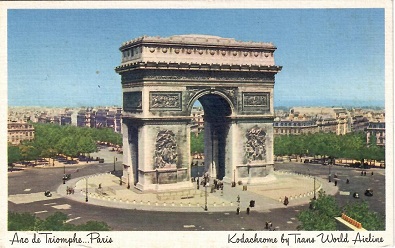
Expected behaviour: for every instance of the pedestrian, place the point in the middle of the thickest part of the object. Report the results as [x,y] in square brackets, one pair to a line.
[270,225]
[237,210]
[347,181]
[248,210]
[335,183]
[286,201]
[372,173]
[361,173]
[364,173]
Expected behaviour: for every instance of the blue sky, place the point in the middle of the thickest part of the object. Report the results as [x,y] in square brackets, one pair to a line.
[330,57]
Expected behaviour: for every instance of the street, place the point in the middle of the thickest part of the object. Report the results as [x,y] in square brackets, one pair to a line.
[39,179]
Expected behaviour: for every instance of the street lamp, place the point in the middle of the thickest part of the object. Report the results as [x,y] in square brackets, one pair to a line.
[234,178]
[212,150]
[128,182]
[197,182]
[114,163]
[238,204]
[314,190]
[64,174]
[205,188]
[86,189]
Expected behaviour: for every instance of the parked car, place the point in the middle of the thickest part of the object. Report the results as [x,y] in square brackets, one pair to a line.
[66,176]
[369,192]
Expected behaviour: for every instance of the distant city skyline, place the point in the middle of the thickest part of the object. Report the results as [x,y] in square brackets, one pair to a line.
[66,58]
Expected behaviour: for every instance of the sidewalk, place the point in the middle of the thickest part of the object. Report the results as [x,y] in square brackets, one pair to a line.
[104,153]
[270,195]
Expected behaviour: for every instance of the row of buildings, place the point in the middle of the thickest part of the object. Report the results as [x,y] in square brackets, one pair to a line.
[297,120]
[305,120]
[19,128]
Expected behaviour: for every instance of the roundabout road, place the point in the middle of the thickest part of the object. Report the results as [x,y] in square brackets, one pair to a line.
[358,183]
[37,180]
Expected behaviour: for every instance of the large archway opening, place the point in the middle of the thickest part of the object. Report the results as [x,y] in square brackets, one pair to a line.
[215,112]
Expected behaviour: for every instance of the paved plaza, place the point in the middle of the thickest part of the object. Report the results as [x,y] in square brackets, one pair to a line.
[122,208]
[297,187]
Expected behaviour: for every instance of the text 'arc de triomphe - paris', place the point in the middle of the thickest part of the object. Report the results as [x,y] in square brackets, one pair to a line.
[162,78]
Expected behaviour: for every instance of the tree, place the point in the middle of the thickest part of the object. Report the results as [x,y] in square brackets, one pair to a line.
[68,146]
[86,145]
[197,143]
[321,214]
[351,145]
[14,154]
[360,212]
[54,222]
[93,226]
[21,222]
[28,151]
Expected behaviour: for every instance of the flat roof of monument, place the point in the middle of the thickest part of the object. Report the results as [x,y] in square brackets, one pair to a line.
[196,40]
[200,36]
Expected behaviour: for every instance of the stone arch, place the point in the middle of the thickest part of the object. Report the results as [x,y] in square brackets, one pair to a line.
[210,91]
[218,109]
[159,89]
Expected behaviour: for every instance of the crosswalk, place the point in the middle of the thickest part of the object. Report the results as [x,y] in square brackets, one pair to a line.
[39,196]
[67,221]
[40,212]
[32,197]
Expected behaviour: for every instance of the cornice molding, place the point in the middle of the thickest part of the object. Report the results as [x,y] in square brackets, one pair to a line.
[196,40]
[197,66]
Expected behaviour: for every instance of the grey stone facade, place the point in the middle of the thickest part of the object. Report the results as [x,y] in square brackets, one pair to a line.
[161,80]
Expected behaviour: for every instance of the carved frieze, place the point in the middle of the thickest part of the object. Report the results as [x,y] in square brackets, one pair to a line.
[139,75]
[132,101]
[256,101]
[255,147]
[165,150]
[192,91]
[165,100]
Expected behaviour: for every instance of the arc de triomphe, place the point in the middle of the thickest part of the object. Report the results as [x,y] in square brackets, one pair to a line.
[162,78]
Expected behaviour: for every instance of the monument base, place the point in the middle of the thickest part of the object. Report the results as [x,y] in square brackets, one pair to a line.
[258,180]
[164,187]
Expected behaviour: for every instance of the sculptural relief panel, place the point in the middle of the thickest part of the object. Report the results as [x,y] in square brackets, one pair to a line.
[255,146]
[165,100]
[132,101]
[256,101]
[165,150]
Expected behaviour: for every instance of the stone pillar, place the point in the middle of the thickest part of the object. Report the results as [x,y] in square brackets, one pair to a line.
[164,157]
[254,146]
[127,157]
[210,150]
